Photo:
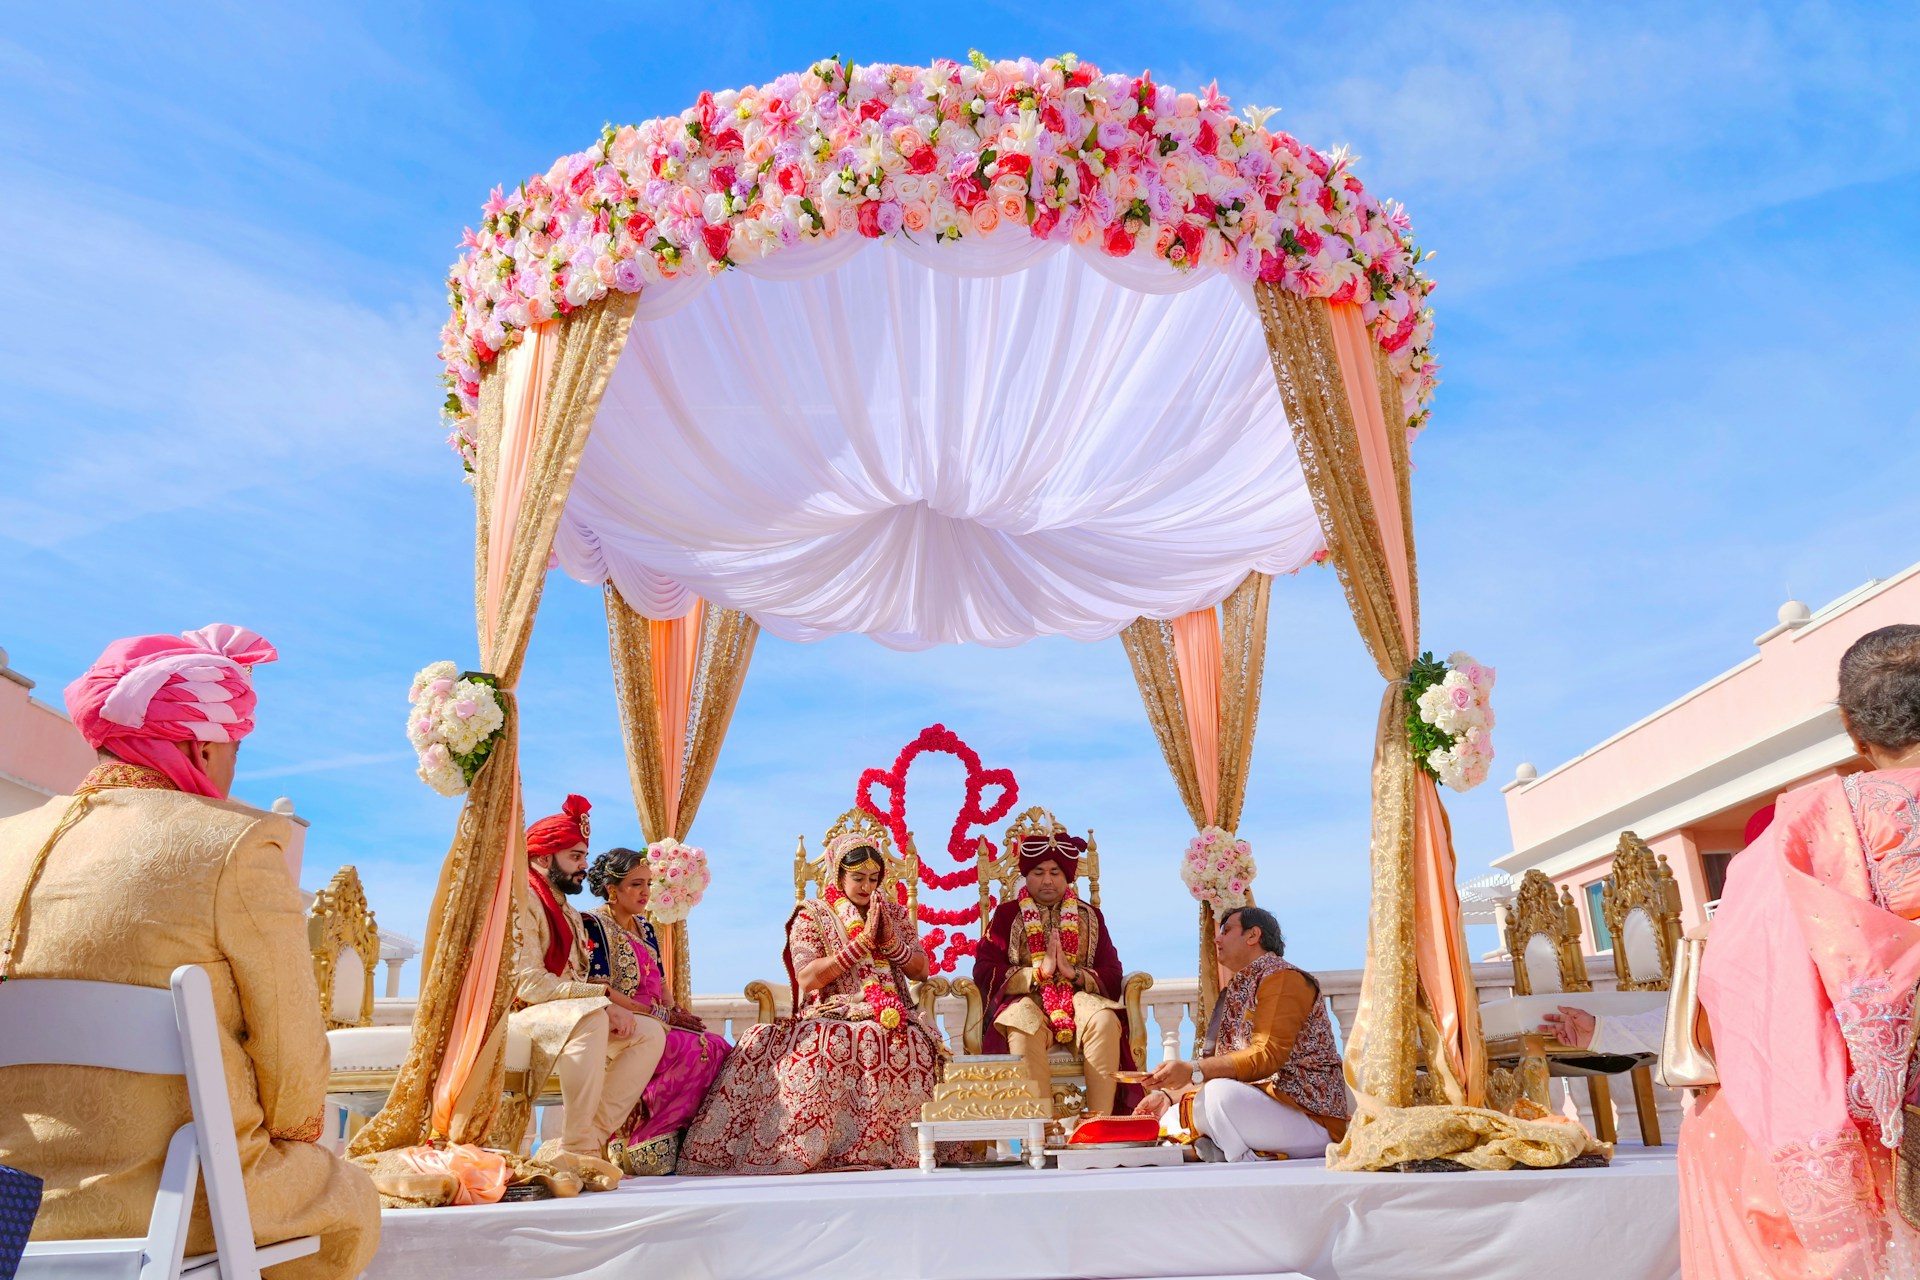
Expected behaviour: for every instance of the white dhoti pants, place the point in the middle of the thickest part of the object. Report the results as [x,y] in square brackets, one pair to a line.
[1244,1122]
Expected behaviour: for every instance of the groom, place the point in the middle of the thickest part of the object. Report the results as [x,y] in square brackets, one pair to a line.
[1049,975]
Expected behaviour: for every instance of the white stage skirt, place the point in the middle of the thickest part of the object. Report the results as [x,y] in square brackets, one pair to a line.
[1287,1219]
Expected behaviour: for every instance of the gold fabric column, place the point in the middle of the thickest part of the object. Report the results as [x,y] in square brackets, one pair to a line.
[725,649]
[1412,959]
[1156,670]
[466,933]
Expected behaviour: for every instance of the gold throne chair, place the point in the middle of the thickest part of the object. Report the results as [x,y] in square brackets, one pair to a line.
[813,874]
[1000,881]
[1640,902]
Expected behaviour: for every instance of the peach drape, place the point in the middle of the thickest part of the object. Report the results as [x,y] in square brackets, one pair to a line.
[677,681]
[1199,676]
[1344,408]
[537,405]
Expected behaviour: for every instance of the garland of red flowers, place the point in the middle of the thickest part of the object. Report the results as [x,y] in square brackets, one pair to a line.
[1056,994]
[974,812]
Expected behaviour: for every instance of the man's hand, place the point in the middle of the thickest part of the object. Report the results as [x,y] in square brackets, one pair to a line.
[619,1023]
[1571,1027]
[1044,966]
[1170,1074]
[1154,1104]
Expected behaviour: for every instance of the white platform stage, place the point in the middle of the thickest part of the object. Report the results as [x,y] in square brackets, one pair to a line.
[1240,1221]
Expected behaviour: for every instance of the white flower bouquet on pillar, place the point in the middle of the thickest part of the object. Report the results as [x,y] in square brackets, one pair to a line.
[455,719]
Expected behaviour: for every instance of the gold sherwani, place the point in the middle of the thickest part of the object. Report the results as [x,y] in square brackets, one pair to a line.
[146,881]
[601,1075]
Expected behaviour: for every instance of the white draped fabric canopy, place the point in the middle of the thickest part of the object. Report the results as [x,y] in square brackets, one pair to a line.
[979,442]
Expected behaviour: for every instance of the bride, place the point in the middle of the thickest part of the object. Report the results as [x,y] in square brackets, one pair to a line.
[839,1084]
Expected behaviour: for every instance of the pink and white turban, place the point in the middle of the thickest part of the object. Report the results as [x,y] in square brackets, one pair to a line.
[146,693]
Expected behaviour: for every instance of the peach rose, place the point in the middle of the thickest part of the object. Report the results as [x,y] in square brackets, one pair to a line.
[760,150]
[985,217]
[916,216]
[1084,231]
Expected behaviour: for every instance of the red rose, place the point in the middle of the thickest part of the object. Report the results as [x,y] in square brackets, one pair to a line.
[922,161]
[1082,77]
[1191,236]
[718,236]
[1118,243]
[872,109]
[1204,208]
[1208,142]
[1326,199]
[1015,162]
[967,193]
[791,177]
[1053,118]
[1044,222]
[639,225]
[870,219]
[722,175]
[726,140]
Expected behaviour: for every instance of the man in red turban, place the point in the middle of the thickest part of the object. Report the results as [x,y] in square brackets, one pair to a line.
[602,1045]
[146,867]
[1049,975]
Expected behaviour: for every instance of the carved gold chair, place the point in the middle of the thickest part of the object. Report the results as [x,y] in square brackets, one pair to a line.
[345,943]
[813,875]
[1000,881]
[1544,937]
[1640,901]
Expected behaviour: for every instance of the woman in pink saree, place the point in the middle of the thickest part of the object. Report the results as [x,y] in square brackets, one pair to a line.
[1808,983]
[626,955]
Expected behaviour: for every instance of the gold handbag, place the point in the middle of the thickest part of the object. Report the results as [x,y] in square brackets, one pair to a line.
[1686,1043]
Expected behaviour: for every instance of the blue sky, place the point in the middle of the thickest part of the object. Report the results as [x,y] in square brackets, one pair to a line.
[1677,268]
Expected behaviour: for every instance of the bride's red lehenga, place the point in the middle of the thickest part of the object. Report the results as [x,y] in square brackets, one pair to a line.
[830,1088]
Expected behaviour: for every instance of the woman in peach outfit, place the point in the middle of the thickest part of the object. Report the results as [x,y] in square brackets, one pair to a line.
[1808,982]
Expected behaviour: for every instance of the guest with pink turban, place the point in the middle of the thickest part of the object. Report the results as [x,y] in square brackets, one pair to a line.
[147,867]
[178,705]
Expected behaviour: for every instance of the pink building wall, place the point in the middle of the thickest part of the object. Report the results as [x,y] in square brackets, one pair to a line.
[41,753]
[1687,778]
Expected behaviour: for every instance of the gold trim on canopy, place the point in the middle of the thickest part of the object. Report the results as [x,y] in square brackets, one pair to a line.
[720,642]
[452,1077]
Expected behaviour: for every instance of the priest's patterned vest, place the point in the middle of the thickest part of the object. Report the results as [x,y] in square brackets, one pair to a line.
[1311,1076]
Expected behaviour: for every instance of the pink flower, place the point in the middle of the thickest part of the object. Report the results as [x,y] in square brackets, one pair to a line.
[717,236]
[440,688]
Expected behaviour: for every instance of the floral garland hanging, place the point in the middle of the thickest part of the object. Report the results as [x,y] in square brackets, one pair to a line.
[975,811]
[1119,164]
[453,722]
[1218,870]
[679,880]
[1056,994]
[1450,718]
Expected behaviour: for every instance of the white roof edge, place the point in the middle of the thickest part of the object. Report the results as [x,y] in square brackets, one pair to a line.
[27,784]
[1721,785]
[1827,612]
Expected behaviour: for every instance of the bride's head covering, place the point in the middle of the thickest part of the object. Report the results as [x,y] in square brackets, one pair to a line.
[146,693]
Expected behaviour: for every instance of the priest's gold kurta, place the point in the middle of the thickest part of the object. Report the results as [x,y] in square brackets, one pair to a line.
[148,880]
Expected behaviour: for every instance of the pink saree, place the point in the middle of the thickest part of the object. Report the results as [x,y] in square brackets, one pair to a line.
[1808,982]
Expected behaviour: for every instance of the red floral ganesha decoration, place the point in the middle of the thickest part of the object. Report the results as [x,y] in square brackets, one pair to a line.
[975,811]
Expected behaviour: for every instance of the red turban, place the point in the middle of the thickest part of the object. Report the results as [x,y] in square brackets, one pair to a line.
[146,693]
[1061,847]
[563,830]
[1757,824]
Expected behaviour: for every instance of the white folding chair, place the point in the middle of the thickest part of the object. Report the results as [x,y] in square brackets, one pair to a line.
[64,1023]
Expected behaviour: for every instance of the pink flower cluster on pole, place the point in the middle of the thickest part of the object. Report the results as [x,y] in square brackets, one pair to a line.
[1116,163]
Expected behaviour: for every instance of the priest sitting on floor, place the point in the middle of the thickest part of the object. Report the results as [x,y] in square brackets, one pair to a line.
[1049,975]
[1268,1082]
[148,866]
[603,1046]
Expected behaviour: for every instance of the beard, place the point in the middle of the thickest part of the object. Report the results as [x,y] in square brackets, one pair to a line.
[564,883]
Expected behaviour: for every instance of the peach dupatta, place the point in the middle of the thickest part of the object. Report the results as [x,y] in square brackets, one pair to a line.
[1808,984]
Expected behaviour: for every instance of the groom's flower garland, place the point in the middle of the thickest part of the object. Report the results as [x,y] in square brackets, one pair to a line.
[1056,996]
[1450,718]
[942,152]
[887,1007]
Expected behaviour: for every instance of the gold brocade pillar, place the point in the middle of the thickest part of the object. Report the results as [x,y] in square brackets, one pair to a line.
[1237,637]
[529,449]
[1344,407]
[720,642]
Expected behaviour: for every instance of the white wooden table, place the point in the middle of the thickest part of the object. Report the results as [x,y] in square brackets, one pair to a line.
[1031,1133]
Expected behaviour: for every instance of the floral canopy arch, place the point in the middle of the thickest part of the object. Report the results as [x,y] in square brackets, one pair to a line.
[970,352]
